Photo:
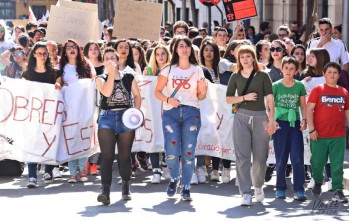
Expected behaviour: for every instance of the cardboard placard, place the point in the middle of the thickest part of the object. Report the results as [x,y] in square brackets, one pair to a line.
[78,5]
[20,22]
[66,23]
[135,19]
[239,9]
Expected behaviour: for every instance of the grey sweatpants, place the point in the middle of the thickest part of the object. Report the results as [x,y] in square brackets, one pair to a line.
[250,136]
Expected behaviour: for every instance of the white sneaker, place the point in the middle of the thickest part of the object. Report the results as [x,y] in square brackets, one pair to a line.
[311,184]
[194,179]
[166,173]
[329,184]
[157,176]
[204,168]
[214,175]
[56,173]
[226,175]
[246,200]
[259,194]
[42,169]
[201,175]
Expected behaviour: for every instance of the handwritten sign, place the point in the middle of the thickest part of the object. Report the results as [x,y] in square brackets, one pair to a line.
[20,22]
[78,5]
[239,9]
[137,20]
[66,23]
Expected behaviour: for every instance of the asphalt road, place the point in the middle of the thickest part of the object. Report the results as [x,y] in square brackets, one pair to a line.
[211,201]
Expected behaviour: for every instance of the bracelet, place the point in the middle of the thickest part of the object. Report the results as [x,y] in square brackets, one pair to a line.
[312,131]
[167,99]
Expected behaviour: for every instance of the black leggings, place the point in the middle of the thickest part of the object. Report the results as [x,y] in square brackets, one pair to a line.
[107,140]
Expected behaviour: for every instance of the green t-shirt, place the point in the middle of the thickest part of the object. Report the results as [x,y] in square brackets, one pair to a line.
[287,100]
[260,84]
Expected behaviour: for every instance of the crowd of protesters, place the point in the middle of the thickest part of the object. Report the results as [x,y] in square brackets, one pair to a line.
[263,72]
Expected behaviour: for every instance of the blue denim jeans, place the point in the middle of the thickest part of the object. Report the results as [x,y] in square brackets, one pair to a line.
[288,142]
[32,167]
[112,119]
[181,127]
[74,164]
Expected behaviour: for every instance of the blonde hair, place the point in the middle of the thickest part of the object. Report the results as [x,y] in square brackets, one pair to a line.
[153,64]
[245,49]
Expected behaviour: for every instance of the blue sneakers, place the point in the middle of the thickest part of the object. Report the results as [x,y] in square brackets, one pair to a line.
[172,188]
[280,194]
[300,196]
[186,195]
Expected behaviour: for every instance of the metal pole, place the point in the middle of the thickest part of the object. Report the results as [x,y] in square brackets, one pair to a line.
[261,11]
[184,9]
[345,28]
[209,21]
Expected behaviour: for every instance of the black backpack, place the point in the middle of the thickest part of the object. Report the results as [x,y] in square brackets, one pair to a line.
[11,168]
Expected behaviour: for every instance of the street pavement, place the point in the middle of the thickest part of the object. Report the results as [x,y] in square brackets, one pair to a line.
[211,201]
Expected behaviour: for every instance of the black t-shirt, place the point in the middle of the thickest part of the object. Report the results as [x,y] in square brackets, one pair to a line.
[99,70]
[120,97]
[44,77]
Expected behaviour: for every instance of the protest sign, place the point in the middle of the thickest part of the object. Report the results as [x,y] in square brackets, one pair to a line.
[134,19]
[20,22]
[66,23]
[239,9]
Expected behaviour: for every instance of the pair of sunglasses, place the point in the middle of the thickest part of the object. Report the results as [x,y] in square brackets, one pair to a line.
[20,53]
[278,49]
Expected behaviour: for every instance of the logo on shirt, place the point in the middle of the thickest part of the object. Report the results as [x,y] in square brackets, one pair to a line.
[330,99]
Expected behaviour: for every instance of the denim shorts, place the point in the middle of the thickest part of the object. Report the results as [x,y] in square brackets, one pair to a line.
[112,119]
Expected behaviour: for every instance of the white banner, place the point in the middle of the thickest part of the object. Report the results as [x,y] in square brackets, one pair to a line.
[40,124]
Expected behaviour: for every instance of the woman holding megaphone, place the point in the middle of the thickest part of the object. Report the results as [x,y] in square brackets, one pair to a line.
[116,90]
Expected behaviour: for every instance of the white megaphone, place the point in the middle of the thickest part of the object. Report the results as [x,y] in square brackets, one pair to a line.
[132,118]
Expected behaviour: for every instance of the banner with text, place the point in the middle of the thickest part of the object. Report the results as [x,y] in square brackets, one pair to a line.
[40,124]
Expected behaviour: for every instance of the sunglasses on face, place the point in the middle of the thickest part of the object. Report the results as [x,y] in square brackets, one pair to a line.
[72,47]
[20,53]
[2,30]
[277,49]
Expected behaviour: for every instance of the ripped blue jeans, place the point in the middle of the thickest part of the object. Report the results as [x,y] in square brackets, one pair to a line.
[181,127]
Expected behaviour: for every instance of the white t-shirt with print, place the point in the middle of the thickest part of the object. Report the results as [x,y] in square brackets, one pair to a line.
[187,94]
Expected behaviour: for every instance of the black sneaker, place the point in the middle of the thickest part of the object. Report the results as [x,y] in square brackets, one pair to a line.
[172,188]
[316,191]
[338,196]
[143,165]
[269,173]
[185,194]
[288,171]
[48,178]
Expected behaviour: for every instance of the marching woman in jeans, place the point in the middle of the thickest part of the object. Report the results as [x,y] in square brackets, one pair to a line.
[185,86]
[116,90]
[253,122]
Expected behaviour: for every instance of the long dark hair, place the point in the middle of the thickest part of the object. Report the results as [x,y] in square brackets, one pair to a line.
[283,46]
[216,56]
[82,67]
[129,61]
[304,63]
[87,48]
[32,60]
[142,60]
[175,57]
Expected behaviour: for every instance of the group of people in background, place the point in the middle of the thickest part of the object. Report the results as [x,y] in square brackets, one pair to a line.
[264,73]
